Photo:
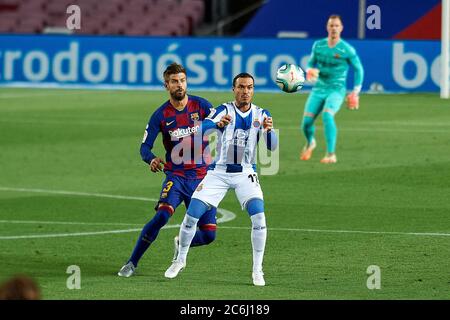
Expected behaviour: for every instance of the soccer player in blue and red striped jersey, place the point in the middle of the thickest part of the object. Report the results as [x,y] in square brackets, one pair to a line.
[179,120]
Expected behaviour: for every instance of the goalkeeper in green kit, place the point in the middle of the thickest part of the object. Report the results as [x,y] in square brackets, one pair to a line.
[328,68]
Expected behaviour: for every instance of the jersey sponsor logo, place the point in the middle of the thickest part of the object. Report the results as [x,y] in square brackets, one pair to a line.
[195,116]
[169,123]
[185,132]
[240,138]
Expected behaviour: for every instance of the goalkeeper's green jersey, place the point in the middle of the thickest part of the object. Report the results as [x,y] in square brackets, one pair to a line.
[334,63]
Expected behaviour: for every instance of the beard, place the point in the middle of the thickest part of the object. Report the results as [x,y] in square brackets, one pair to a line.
[178,94]
[243,103]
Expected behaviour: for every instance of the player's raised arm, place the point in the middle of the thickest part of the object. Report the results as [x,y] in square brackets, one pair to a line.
[207,107]
[269,134]
[312,73]
[312,59]
[217,118]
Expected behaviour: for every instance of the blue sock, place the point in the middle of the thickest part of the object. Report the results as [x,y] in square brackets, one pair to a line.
[330,131]
[308,128]
[149,233]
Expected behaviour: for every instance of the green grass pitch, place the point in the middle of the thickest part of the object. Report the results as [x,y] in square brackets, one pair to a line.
[385,203]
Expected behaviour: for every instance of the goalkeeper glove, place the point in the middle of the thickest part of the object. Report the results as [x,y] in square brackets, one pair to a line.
[353,101]
[312,74]
[353,98]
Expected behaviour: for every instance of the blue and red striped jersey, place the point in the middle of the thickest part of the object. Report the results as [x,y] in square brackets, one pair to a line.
[187,152]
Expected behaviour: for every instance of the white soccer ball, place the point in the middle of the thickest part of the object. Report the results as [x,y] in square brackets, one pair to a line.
[290,78]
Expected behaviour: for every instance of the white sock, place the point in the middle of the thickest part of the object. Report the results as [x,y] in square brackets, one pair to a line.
[259,235]
[187,233]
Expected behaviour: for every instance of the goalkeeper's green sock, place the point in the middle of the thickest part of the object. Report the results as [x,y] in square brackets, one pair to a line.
[308,128]
[330,131]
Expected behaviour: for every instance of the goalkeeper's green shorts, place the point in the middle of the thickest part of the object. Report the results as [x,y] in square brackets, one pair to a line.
[324,99]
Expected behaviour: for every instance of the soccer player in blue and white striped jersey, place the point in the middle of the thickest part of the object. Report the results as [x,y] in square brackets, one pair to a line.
[235,168]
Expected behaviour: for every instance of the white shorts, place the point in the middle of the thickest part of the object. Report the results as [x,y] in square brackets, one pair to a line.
[215,185]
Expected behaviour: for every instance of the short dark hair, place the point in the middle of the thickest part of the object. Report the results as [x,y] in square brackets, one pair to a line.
[243,75]
[336,16]
[173,68]
[20,287]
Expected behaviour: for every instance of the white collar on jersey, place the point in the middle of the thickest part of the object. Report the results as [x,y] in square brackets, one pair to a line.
[242,114]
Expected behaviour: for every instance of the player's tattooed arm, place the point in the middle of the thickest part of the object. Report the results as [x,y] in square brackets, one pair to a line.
[156,164]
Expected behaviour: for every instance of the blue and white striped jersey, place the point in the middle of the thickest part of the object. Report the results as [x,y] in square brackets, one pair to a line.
[237,142]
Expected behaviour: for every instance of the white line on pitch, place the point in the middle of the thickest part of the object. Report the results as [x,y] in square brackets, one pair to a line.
[74,193]
[227,215]
[57,235]
[74,234]
[430,234]
[70,223]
